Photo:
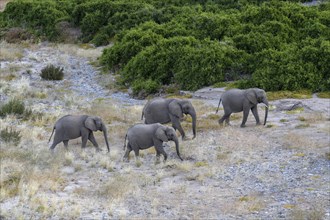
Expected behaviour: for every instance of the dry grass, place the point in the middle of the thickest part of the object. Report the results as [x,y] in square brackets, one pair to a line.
[89,53]
[9,52]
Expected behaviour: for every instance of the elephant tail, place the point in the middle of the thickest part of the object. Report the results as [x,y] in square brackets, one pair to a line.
[51,134]
[142,115]
[218,106]
[125,142]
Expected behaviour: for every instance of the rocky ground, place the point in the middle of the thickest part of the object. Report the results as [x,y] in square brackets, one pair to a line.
[277,171]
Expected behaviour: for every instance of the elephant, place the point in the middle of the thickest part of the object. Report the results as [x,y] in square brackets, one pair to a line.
[160,110]
[237,100]
[143,136]
[73,126]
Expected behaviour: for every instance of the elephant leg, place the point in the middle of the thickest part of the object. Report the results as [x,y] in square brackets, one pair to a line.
[128,150]
[157,156]
[255,114]
[92,139]
[137,157]
[66,144]
[84,139]
[226,117]
[160,150]
[177,125]
[245,116]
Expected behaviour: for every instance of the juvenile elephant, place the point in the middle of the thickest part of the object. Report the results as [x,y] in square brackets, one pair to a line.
[143,136]
[236,100]
[73,126]
[160,110]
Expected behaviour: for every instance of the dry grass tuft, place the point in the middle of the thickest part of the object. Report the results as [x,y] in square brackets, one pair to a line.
[296,141]
[313,213]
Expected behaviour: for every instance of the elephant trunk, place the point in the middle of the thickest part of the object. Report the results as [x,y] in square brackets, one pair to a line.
[266,111]
[176,141]
[193,116]
[104,129]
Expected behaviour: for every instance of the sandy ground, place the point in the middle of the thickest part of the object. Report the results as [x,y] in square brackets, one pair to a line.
[277,171]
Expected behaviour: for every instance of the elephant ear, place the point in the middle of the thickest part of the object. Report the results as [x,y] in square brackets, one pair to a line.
[251,96]
[161,134]
[90,124]
[175,109]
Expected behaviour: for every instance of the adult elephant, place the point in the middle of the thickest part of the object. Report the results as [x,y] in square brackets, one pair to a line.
[160,110]
[144,136]
[237,100]
[73,126]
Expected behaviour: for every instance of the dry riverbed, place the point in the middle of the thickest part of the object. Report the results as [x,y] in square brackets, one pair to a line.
[281,170]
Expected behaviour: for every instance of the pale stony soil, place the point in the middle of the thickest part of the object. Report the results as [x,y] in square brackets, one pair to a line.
[277,171]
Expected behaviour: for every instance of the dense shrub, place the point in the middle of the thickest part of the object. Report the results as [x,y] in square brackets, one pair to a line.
[110,17]
[193,43]
[14,106]
[50,72]
[39,16]
[185,61]
[131,44]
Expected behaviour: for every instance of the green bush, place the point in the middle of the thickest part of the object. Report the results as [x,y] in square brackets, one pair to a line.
[14,106]
[10,136]
[39,16]
[131,44]
[145,87]
[185,61]
[50,72]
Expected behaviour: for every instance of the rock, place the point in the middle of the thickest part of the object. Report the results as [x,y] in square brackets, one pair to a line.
[288,105]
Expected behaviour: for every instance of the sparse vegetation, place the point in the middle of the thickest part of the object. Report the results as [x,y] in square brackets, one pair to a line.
[10,135]
[325,95]
[51,72]
[302,94]
[14,106]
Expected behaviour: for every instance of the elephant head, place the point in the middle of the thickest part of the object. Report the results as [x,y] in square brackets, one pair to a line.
[180,107]
[96,124]
[165,133]
[256,96]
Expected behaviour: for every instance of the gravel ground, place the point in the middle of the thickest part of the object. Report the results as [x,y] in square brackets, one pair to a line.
[277,171]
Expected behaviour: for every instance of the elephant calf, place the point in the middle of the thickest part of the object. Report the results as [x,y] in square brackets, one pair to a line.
[74,126]
[237,100]
[143,136]
[160,110]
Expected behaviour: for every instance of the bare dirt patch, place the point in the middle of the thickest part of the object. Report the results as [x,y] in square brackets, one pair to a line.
[280,170]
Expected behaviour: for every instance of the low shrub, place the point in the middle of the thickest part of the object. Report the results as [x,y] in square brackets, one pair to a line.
[51,72]
[16,35]
[144,87]
[14,106]
[10,136]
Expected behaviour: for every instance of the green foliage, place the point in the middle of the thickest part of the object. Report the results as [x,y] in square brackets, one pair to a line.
[185,61]
[145,86]
[275,45]
[39,16]
[10,136]
[132,43]
[14,106]
[50,72]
